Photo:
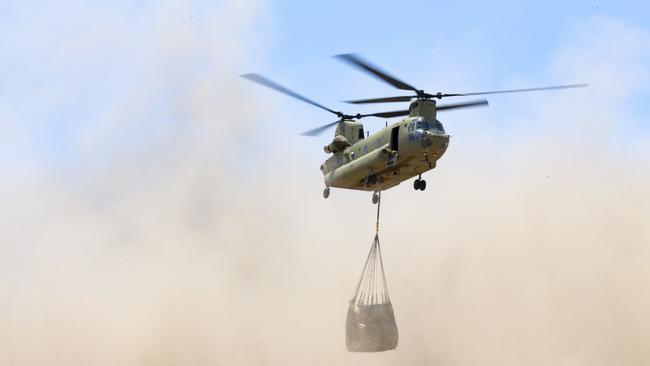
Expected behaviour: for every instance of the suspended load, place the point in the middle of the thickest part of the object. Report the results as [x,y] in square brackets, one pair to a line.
[370,325]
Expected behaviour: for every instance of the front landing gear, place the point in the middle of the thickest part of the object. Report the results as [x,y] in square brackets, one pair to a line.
[326,192]
[420,184]
[375,198]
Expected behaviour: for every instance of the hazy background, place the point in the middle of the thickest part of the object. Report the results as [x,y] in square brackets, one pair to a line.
[155,209]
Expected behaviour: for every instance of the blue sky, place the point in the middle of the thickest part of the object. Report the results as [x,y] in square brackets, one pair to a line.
[453,47]
[68,64]
[507,38]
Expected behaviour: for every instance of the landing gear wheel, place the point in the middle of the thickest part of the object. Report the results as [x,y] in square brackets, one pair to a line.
[326,192]
[419,184]
[375,198]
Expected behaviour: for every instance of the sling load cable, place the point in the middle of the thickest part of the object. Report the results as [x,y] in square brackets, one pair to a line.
[378,207]
[384,295]
[367,288]
[373,286]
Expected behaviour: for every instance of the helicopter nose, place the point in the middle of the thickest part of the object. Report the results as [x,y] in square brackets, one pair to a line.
[437,142]
[436,137]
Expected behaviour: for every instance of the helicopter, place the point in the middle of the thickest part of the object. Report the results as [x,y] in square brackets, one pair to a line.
[399,151]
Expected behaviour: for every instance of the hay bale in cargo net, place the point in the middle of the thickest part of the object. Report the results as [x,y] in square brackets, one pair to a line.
[370,325]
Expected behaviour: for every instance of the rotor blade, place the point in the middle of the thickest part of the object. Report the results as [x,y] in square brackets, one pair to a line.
[357,61]
[516,90]
[381,100]
[475,103]
[318,130]
[387,114]
[277,87]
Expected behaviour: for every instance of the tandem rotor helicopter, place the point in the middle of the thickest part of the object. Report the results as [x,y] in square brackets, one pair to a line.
[398,152]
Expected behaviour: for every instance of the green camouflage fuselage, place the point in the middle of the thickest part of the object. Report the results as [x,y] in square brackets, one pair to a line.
[390,156]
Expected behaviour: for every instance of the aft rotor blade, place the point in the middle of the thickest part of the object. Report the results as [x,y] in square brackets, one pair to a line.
[277,87]
[357,61]
[387,114]
[381,100]
[318,130]
[476,103]
[514,90]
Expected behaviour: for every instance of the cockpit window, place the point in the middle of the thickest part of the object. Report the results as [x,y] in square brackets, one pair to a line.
[360,133]
[438,126]
[421,124]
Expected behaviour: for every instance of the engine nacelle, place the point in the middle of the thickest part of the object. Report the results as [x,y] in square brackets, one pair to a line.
[339,143]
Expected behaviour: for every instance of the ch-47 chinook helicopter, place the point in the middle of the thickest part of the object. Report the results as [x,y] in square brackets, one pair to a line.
[398,152]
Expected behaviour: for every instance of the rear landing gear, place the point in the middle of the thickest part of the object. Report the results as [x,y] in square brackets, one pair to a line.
[326,192]
[375,198]
[420,184]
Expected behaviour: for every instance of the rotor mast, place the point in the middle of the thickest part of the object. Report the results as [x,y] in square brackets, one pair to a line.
[424,108]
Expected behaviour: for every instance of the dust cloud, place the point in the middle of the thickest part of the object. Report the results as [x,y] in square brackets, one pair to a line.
[195,240]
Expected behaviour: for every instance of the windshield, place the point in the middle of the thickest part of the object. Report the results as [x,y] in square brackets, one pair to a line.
[432,125]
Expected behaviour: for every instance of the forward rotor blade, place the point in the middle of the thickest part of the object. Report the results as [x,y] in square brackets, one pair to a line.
[516,90]
[277,87]
[387,114]
[357,61]
[381,100]
[476,103]
[318,130]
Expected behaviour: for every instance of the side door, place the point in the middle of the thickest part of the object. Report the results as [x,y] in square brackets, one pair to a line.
[394,138]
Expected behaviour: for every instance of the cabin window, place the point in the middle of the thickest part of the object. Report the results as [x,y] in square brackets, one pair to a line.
[361,134]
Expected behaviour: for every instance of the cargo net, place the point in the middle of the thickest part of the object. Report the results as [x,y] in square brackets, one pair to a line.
[370,324]
[371,288]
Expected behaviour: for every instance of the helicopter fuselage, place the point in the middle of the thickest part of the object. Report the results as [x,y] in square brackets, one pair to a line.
[392,155]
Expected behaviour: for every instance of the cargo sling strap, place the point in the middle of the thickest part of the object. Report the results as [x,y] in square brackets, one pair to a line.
[371,288]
